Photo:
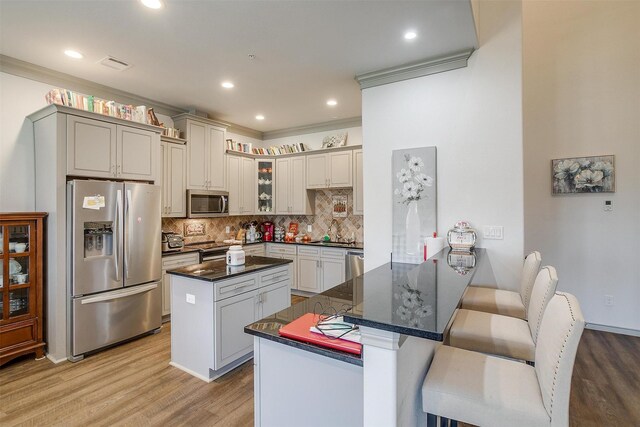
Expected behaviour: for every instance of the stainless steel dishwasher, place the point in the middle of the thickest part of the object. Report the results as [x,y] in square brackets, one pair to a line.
[354,264]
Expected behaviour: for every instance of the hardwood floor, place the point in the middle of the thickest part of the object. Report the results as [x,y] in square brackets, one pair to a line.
[133,384]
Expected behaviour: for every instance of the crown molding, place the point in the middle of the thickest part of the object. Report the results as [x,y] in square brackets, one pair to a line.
[318,127]
[30,71]
[414,69]
[45,75]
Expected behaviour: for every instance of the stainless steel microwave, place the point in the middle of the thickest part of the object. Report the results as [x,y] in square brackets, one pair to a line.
[207,204]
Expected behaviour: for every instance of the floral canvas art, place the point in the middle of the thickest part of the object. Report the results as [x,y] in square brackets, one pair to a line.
[594,174]
[414,202]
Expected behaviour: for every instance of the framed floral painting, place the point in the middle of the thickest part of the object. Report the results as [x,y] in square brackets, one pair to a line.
[414,202]
[595,174]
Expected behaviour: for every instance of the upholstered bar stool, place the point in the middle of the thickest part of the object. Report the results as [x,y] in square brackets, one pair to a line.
[499,301]
[504,335]
[490,391]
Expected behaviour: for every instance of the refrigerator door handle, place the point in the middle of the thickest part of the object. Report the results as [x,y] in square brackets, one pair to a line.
[116,245]
[120,294]
[129,232]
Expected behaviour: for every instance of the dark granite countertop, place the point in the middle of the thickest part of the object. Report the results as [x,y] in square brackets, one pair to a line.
[214,271]
[416,300]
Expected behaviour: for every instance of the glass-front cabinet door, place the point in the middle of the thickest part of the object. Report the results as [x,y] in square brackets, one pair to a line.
[266,185]
[17,263]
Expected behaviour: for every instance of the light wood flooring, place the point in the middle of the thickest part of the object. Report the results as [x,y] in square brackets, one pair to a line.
[133,384]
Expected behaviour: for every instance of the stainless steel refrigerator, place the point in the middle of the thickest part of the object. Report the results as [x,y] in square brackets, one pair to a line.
[114,245]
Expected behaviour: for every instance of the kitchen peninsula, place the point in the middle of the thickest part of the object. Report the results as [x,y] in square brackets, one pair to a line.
[212,302]
[403,312]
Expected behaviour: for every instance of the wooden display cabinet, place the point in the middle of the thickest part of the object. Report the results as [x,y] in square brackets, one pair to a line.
[21,284]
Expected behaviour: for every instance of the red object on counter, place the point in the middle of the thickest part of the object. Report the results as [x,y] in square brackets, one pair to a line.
[299,330]
[267,228]
[425,251]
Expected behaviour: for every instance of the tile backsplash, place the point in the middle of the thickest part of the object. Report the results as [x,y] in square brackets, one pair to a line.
[320,222]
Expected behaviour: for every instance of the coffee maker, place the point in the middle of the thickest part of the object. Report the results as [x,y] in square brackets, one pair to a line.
[267,228]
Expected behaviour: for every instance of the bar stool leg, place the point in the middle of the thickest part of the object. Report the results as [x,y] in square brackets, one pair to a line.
[432,420]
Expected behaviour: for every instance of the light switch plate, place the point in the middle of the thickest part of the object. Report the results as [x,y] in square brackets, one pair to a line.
[309,228]
[608,205]
[493,232]
[191,299]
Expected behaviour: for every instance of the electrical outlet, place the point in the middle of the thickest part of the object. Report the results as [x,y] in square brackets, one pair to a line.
[608,300]
[608,205]
[309,228]
[493,232]
[191,299]
[227,229]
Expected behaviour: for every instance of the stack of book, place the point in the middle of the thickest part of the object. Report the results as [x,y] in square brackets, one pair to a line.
[239,146]
[298,147]
[94,104]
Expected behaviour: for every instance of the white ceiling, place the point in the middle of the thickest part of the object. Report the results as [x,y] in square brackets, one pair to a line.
[306,51]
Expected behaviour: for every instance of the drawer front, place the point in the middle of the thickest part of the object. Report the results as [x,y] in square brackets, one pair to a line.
[309,251]
[170,262]
[333,253]
[237,286]
[18,333]
[274,276]
[281,248]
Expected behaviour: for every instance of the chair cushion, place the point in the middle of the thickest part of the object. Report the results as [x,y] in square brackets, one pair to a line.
[496,301]
[492,333]
[483,390]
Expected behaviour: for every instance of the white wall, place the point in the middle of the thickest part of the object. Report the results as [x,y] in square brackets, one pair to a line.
[474,117]
[20,97]
[582,97]
[314,140]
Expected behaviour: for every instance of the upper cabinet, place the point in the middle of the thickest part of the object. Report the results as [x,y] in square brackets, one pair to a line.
[241,185]
[292,196]
[174,179]
[358,200]
[100,149]
[330,170]
[265,185]
[206,158]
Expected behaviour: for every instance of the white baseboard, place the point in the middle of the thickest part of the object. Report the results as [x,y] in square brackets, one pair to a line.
[189,371]
[54,360]
[613,329]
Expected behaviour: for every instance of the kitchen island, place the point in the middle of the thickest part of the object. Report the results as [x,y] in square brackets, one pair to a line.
[212,302]
[403,312]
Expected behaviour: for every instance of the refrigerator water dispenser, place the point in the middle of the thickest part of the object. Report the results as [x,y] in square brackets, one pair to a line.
[98,239]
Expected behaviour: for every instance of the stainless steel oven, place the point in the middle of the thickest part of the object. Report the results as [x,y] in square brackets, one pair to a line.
[207,204]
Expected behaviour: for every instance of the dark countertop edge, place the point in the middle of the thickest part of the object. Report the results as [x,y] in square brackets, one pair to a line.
[313,348]
[356,246]
[184,250]
[404,330]
[279,263]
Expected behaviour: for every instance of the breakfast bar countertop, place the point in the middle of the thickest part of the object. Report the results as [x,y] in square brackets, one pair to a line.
[409,299]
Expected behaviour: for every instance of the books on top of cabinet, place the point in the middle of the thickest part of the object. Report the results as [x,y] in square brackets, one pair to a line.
[93,104]
[283,149]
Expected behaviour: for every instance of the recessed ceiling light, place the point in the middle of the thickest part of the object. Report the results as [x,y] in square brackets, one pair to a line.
[410,35]
[259,117]
[332,102]
[227,85]
[152,4]
[73,54]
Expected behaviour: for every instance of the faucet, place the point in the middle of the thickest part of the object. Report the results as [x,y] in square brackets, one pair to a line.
[337,235]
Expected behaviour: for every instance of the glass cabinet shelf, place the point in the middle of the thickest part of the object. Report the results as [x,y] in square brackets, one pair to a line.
[266,184]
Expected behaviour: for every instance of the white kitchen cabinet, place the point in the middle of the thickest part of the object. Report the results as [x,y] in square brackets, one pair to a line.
[231,316]
[100,149]
[242,187]
[273,298]
[285,251]
[170,262]
[265,186]
[330,170]
[320,269]
[206,158]
[309,271]
[254,250]
[292,196]
[358,187]
[174,179]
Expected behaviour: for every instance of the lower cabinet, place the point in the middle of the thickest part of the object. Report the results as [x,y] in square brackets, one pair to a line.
[254,250]
[320,268]
[169,262]
[285,251]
